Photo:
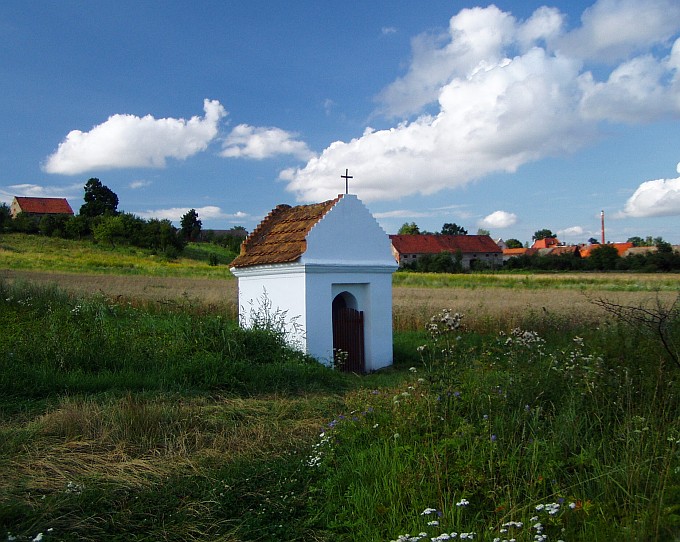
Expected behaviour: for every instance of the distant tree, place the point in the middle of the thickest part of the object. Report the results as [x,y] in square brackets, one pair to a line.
[53,225]
[604,257]
[453,229]
[77,227]
[637,241]
[164,238]
[663,246]
[409,229]
[593,241]
[25,223]
[109,229]
[100,200]
[5,216]
[482,231]
[543,234]
[513,243]
[190,225]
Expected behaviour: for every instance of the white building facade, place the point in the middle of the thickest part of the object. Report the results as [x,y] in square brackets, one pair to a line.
[335,287]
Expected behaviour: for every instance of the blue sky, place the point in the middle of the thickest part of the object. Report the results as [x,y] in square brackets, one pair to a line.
[512,117]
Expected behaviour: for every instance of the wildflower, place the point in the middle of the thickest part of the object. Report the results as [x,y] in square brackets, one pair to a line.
[428,511]
[572,505]
[433,523]
[413,369]
[463,502]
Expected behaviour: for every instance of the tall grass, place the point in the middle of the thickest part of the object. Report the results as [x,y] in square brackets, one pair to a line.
[135,422]
[53,343]
[515,438]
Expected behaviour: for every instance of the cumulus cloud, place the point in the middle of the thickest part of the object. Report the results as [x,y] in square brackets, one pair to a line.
[660,197]
[204,213]
[613,29]
[498,219]
[126,141]
[573,231]
[247,141]
[494,93]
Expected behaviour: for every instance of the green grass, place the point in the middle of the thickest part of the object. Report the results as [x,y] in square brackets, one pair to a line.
[34,252]
[120,422]
[579,281]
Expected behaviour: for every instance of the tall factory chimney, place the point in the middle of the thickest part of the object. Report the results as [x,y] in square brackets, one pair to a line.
[602,216]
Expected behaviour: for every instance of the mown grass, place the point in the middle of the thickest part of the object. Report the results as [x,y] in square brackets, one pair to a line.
[125,421]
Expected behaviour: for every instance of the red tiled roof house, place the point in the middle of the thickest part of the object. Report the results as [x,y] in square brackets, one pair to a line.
[476,250]
[328,267]
[39,207]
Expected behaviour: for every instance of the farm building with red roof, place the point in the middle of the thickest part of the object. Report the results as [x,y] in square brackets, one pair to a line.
[475,250]
[39,207]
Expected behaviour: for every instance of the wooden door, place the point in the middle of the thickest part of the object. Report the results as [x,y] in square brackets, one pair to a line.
[348,339]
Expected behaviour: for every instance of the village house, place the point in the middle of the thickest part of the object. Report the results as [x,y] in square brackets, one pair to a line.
[475,250]
[515,252]
[326,270]
[39,207]
[546,242]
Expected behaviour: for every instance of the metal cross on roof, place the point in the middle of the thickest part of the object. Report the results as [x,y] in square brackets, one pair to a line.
[347,177]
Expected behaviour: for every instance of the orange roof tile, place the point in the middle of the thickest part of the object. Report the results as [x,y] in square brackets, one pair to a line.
[434,244]
[281,236]
[547,242]
[518,251]
[44,206]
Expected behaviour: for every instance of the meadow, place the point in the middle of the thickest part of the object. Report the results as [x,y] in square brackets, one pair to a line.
[523,411]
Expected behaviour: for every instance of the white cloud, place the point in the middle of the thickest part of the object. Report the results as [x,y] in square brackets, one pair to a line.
[246,141]
[654,198]
[613,29]
[634,92]
[387,30]
[126,141]
[140,183]
[573,231]
[498,219]
[403,213]
[503,93]
[207,212]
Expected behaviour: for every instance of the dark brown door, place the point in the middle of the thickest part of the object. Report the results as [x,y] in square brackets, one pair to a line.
[348,339]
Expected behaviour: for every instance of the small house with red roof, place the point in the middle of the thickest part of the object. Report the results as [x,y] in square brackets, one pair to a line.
[475,250]
[325,269]
[39,207]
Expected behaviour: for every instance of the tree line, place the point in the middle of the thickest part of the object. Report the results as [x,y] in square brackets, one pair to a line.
[99,219]
[602,258]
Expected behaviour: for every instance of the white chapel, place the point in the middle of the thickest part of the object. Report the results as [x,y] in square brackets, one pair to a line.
[329,267]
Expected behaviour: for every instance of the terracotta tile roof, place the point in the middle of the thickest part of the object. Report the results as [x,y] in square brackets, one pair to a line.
[621,248]
[518,251]
[560,250]
[44,206]
[547,242]
[434,244]
[281,236]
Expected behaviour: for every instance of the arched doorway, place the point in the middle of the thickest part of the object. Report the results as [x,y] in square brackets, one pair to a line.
[348,334]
